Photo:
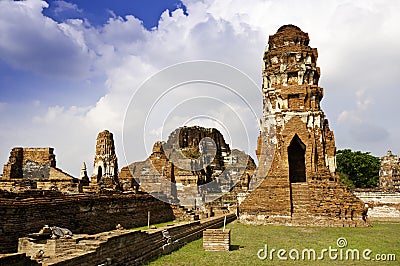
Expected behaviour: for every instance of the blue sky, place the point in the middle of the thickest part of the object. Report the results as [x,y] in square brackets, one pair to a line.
[148,11]
[42,84]
[69,68]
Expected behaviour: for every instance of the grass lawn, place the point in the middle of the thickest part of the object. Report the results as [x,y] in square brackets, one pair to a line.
[145,227]
[247,240]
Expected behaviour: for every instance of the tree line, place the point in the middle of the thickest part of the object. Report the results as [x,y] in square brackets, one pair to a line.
[358,169]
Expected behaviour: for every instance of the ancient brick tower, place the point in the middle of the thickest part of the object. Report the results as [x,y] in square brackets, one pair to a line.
[389,174]
[300,187]
[105,168]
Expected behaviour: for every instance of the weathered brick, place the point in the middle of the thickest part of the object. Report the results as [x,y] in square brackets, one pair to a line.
[296,182]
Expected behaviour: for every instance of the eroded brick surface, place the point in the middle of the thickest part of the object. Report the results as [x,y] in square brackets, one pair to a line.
[105,166]
[300,187]
[29,163]
[27,212]
[31,168]
[389,174]
[191,157]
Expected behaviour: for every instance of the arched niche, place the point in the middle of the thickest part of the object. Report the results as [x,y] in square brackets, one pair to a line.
[297,162]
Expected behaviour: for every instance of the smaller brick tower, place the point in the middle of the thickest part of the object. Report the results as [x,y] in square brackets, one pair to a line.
[105,167]
[389,174]
[83,176]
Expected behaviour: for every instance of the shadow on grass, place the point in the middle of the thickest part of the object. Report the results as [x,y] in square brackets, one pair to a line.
[235,247]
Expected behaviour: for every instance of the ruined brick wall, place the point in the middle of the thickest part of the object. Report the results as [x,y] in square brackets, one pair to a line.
[29,163]
[122,247]
[127,181]
[189,139]
[382,205]
[16,259]
[23,213]
[300,187]
[31,168]
[40,155]
[207,149]
[178,167]
[171,160]
[155,174]
[244,180]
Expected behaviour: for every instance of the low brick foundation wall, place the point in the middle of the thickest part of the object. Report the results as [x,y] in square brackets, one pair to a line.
[16,259]
[122,247]
[90,214]
[382,205]
[217,239]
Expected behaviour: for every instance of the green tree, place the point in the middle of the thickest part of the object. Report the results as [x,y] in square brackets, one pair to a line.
[358,169]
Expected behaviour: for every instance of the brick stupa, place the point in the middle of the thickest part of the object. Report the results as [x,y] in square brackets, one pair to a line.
[300,187]
[105,166]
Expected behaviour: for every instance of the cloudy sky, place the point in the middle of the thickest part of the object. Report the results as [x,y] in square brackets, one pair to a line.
[69,69]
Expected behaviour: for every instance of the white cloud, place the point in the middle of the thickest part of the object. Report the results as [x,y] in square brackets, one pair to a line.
[359,126]
[33,42]
[59,114]
[363,104]
[62,6]
[357,43]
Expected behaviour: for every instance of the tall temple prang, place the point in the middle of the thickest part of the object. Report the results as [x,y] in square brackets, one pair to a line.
[292,100]
[105,167]
[300,187]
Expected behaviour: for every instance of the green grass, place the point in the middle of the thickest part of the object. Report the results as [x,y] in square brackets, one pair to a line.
[145,227]
[246,240]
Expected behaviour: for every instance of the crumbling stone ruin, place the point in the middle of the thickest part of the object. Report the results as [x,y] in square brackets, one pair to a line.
[29,163]
[389,174]
[151,178]
[35,168]
[191,158]
[198,154]
[86,209]
[301,186]
[127,181]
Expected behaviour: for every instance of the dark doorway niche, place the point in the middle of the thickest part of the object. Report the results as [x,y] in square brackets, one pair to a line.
[297,162]
[99,174]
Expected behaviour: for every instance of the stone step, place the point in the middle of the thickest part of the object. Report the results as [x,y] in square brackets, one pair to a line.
[300,199]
